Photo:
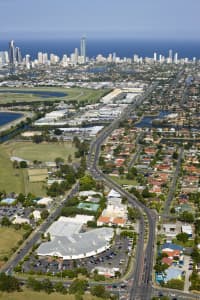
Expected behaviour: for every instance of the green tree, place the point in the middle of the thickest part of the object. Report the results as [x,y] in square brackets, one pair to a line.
[23,164]
[175,284]
[78,286]
[59,287]
[133,213]
[5,221]
[44,214]
[21,198]
[186,217]
[99,291]
[182,237]
[87,183]
[57,131]
[47,286]
[9,283]
[34,284]
[121,170]
[175,155]
[59,161]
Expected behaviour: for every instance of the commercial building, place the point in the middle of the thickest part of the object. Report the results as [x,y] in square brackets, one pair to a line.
[68,242]
[115,213]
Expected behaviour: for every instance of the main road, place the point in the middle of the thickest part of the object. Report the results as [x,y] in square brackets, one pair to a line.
[141,276]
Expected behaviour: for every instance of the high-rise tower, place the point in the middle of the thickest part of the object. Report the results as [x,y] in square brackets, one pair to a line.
[18,55]
[83,49]
[170,56]
[12,54]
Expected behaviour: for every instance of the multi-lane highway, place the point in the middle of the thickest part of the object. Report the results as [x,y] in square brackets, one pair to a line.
[142,274]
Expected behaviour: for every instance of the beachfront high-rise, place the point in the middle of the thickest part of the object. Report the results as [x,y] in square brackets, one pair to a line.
[83,49]
[18,55]
[12,54]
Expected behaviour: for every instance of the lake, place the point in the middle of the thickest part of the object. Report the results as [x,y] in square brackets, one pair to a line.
[7,117]
[147,120]
[42,94]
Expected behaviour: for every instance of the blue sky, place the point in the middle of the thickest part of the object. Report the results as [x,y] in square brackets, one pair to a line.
[152,19]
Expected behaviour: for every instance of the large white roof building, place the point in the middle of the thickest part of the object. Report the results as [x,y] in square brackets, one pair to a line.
[68,242]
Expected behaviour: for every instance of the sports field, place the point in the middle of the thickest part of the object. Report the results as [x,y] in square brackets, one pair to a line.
[45,152]
[9,239]
[77,94]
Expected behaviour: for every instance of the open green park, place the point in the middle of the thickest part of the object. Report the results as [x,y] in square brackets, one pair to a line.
[33,94]
[16,179]
[9,239]
[124,181]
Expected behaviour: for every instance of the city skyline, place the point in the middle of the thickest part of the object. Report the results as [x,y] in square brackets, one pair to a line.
[144,19]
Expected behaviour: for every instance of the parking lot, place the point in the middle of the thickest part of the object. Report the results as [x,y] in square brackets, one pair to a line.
[115,257]
[9,211]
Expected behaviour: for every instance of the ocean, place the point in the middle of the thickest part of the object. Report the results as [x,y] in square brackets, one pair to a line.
[122,47]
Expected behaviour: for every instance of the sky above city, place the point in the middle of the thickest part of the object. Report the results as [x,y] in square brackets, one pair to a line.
[152,19]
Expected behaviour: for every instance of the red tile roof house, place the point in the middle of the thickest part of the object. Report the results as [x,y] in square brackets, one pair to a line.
[103,220]
[150,151]
[174,254]
[163,176]
[119,162]
[163,167]
[155,189]
[192,169]
[167,260]
[111,221]
[156,182]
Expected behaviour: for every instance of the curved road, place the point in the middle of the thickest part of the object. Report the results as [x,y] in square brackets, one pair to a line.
[142,273]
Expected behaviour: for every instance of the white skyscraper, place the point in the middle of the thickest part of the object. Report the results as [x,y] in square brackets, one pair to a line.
[170,56]
[40,58]
[83,49]
[155,56]
[176,58]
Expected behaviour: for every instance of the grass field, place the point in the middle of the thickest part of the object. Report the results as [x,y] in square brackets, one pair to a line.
[16,180]
[41,152]
[123,181]
[9,238]
[37,175]
[30,295]
[11,180]
[78,94]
